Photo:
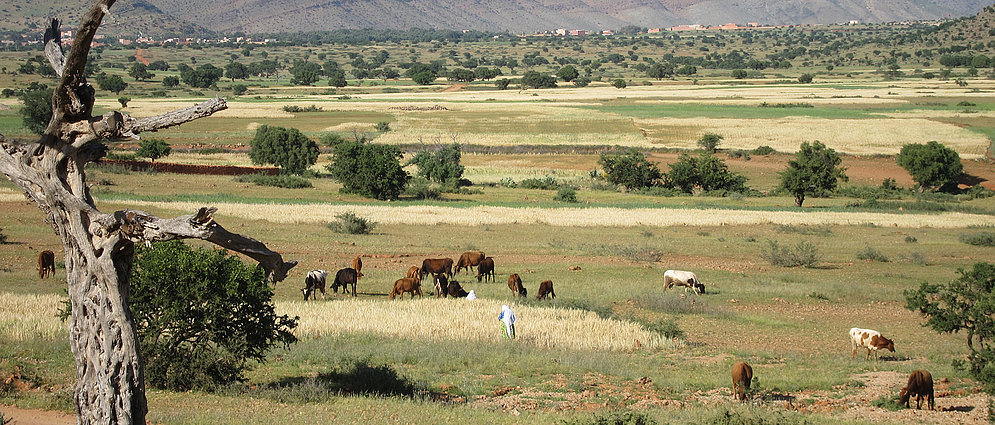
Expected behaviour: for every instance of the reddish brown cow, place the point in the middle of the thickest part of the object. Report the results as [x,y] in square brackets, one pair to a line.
[46,264]
[357,263]
[414,272]
[469,259]
[920,385]
[345,277]
[515,284]
[546,288]
[742,376]
[407,284]
[436,266]
[485,269]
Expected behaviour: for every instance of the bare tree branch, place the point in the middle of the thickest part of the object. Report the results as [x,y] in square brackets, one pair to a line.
[53,47]
[178,116]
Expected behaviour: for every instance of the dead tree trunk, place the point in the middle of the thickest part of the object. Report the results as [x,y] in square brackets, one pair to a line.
[99,246]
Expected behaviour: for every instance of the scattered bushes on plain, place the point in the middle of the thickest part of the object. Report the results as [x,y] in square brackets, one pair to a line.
[802,254]
[869,253]
[545,183]
[295,108]
[352,224]
[979,239]
[283,180]
[566,194]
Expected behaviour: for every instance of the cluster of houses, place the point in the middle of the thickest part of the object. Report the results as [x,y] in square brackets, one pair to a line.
[563,32]
[101,40]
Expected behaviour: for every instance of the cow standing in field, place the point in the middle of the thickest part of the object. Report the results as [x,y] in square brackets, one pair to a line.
[315,280]
[345,277]
[485,269]
[682,278]
[407,284]
[515,284]
[437,266]
[871,340]
[742,376]
[469,260]
[46,264]
[357,263]
[920,385]
[546,289]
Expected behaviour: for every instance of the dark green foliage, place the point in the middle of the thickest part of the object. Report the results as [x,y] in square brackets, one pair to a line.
[113,83]
[153,149]
[123,101]
[666,327]
[932,166]
[371,170]
[421,188]
[566,194]
[502,84]
[710,141]
[815,171]
[441,166]
[283,180]
[3,237]
[140,72]
[613,418]
[544,183]
[337,79]
[803,254]
[382,126]
[287,148]
[582,82]
[869,253]
[979,239]
[201,316]
[305,73]
[37,109]
[806,78]
[331,139]
[660,71]
[236,71]
[424,78]
[298,109]
[203,77]
[704,173]
[630,169]
[351,224]
[739,74]
[170,81]
[763,150]
[535,80]
[619,83]
[965,304]
[567,73]
[239,89]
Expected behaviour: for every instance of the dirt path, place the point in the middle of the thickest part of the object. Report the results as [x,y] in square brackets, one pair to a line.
[454,87]
[35,416]
[141,55]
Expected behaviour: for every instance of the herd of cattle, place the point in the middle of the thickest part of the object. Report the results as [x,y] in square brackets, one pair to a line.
[920,382]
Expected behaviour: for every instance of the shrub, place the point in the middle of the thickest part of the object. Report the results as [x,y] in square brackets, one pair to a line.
[566,194]
[283,180]
[917,258]
[370,170]
[153,149]
[545,183]
[979,239]
[705,173]
[382,126]
[295,108]
[763,150]
[668,328]
[911,239]
[352,224]
[239,89]
[803,254]
[421,188]
[710,141]
[286,148]
[932,165]
[619,83]
[630,169]
[869,253]
[201,316]
[888,402]
[441,166]
[332,139]
[806,78]
[37,109]
[582,82]
[124,101]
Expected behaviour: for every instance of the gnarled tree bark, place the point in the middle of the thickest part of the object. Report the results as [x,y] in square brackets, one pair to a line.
[99,246]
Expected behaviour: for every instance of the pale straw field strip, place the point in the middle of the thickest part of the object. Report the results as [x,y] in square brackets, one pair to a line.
[466,320]
[27,317]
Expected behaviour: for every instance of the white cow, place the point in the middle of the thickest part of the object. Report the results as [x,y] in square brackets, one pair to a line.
[871,340]
[682,278]
[315,280]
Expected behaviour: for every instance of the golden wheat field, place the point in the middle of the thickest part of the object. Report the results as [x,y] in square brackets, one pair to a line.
[26,317]
[470,320]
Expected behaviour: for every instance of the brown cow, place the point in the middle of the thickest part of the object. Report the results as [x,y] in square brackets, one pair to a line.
[414,272]
[469,259]
[546,288]
[357,263]
[742,376]
[515,284]
[407,284]
[485,269]
[920,385]
[456,290]
[343,278]
[46,264]
[435,266]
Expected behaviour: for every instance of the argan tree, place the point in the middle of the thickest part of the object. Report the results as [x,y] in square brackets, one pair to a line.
[99,246]
[815,171]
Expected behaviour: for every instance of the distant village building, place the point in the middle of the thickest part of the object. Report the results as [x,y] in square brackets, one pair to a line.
[694,27]
[578,32]
[560,31]
[653,30]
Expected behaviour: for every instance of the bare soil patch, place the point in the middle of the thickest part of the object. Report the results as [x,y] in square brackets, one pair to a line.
[36,416]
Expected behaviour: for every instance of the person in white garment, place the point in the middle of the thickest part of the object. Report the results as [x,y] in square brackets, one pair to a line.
[507,318]
[471,295]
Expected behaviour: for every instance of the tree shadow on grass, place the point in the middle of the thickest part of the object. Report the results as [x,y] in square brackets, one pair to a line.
[355,378]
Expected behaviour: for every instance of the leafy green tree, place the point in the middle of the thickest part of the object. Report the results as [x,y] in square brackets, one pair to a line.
[305,73]
[170,81]
[371,170]
[442,166]
[659,71]
[710,141]
[123,100]
[704,172]
[153,149]
[630,169]
[113,83]
[815,171]
[687,70]
[739,74]
[337,79]
[567,73]
[502,84]
[287,148]
[236,71]
[806,78]
[159,65]
[932,165]
[535,80]
[965,304]
[424,78]
[140,72]
[619,83]
[582,82]
[202,316]
[37,109]
[239,89]
[203,77]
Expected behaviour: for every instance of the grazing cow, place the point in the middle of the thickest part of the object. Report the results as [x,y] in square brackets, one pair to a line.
[407,284]
[871,340]
[414,272]
[46,264]
[920,385]
[357,263]
[456,290]
[441,286]
[468,260]
[343,278]
[682,278]
[515,284]
[742,376]
[546,288]
[315,280]
[485,269]
[436,266]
